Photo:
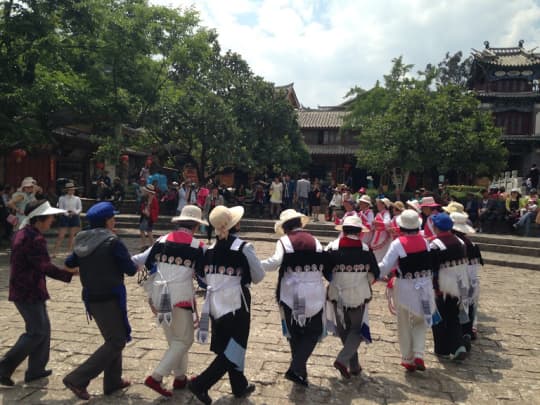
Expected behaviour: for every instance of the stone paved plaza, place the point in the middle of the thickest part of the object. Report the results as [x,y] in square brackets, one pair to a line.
[504,365]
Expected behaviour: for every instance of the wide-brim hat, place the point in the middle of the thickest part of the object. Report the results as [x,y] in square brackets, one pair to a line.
[414,204]
[352,221]
[70,186]
[190,213]
[429,202]
[288,215]
[149,188]
[27,182]
[454,206]
[460,222]
[409,220]
[387,203]
[398,205]
[365,199]
[42,210]
[222,217]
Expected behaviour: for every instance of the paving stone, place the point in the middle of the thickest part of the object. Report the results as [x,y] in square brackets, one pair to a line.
[503,367]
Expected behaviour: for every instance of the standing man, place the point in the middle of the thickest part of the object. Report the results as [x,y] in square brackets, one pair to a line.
[303,187]
[300,291]
[276,197]
[172,262]
[103,259]
[354,268]
[229,267]
[289,188]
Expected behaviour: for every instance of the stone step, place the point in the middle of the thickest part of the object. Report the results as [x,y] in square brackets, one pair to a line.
[506,239]
[509,249]
[511,260]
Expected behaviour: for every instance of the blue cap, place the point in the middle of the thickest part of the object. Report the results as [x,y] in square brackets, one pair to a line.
[443,222]
[100,212]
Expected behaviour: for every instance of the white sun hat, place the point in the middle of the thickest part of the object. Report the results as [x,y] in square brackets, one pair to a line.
[460,222]
[223,218]
[190,213]
[409,220]
[352,221]
[44,209]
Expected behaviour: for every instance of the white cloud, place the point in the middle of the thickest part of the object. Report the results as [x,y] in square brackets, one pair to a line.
[327,47]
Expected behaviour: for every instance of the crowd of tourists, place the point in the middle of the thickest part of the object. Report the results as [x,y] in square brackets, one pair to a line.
[419,248]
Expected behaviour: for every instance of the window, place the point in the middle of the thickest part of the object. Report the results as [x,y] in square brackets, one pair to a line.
[514,122]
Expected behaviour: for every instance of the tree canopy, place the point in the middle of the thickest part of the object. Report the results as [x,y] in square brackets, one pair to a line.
[125,62]
[424,123]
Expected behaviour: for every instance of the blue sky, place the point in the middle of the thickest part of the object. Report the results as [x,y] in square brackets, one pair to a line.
[327,47]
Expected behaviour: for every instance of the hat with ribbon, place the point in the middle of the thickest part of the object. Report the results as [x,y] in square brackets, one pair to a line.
[353,221]
[288,215]
[387,203]
[190,213]
[429,202]
[398,205]
[443,221]
[461,222]
[41,210]
[409,220]
[365,199]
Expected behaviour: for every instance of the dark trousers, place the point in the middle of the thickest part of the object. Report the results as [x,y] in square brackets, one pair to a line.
[350,335]
[303,339]
[34,343]
[467,328]
[108,357]
[228,327]
[447,335]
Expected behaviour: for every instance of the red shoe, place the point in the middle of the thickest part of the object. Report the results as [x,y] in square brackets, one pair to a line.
[156,386]
[342,369]
[80,392]
[180,384]
[419,363]
[409,367]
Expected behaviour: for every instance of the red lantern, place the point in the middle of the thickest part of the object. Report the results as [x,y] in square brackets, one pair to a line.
[19,155]
[124,159]
[100,165]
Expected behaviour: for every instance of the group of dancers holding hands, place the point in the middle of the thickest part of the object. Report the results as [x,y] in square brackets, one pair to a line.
[430,267]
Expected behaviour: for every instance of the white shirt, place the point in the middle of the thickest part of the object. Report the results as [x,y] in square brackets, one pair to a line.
[70,203]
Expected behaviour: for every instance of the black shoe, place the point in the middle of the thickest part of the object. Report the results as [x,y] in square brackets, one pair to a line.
[43,374]
[467,342]
[6,381]
[249,389]
[295,378]
[201,395]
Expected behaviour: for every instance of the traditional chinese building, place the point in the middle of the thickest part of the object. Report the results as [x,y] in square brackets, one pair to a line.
[506,80]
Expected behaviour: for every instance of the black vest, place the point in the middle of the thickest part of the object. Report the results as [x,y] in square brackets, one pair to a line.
[222,259]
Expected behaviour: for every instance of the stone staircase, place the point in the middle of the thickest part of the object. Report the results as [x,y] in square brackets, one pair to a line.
[499,250]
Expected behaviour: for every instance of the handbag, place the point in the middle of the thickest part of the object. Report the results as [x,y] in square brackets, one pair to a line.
[12,219]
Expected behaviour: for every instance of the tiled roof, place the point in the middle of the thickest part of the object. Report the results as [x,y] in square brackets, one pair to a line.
[320,119]
[331,149]
[514,56]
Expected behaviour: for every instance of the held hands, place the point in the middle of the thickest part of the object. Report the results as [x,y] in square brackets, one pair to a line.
[74,271]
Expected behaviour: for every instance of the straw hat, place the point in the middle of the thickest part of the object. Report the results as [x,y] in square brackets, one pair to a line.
[223,218]
[190,213]
[454,206]
[288,215]
[149,188]
[409,219]
[398,205]
[353,221]
[429,202]
[414,204]
[365,199]
[387,203]
[44,209]
[460,222]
